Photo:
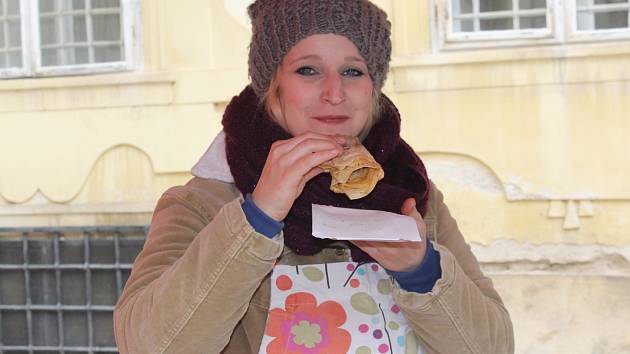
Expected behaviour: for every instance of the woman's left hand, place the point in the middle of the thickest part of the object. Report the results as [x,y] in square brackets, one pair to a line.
[399,256]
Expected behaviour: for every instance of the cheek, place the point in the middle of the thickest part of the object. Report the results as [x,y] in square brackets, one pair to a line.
[363,99]
[295,104]
[297,101]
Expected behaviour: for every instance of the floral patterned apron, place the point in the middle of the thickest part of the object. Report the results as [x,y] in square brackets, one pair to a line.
[335,308]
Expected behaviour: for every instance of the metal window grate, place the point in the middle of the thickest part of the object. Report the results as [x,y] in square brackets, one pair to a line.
[58,286]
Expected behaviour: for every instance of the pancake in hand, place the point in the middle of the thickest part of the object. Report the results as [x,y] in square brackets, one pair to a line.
[354,172]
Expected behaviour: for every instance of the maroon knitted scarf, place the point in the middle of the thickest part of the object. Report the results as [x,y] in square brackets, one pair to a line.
[250,133]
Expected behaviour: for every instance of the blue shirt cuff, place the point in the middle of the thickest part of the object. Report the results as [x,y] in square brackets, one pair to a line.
[423,278]
[260,221]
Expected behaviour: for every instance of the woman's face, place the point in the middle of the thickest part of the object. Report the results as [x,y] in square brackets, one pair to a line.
[323,87]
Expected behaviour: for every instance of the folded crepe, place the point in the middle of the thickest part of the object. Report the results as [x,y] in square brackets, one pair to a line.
[354,172]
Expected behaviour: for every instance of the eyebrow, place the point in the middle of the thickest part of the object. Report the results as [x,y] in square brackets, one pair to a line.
[317,57]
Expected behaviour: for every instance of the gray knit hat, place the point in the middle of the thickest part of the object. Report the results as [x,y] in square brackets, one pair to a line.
[278,25]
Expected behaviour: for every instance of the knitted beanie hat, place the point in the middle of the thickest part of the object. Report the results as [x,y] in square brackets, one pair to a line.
[278,25]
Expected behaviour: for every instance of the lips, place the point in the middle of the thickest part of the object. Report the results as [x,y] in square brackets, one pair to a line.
[332,119]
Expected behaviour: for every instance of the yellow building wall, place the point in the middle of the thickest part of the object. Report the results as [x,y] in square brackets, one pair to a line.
[529,145]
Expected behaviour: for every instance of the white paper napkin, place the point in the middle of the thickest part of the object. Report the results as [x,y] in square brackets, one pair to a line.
[358,224]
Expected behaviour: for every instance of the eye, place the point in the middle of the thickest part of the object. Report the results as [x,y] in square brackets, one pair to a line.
[306,71]
[352,72]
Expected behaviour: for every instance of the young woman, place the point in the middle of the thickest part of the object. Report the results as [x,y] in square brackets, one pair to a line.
[208,279]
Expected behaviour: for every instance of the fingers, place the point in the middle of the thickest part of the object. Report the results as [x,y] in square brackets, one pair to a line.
[285,146]
[364,244]
[309,147]
[367,247]
[408,206]
[308,153]
[340,139]
[290,164]
[312,173]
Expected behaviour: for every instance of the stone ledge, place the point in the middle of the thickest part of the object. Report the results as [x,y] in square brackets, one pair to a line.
[512,257]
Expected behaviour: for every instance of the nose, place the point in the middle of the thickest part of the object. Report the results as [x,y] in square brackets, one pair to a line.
[333,90]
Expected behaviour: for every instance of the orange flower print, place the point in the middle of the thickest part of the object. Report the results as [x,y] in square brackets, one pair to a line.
[305,328]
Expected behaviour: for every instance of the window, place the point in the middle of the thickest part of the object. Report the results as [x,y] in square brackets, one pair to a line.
[59,286]
[474,16]
[483,23]
[600,19]
[57,37]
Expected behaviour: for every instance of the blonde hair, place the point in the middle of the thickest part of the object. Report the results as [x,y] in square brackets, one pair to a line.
[271,98]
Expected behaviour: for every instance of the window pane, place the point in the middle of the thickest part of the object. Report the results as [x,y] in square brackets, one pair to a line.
[79,55]
[82,30]
[106,27]
[15,59]
[618,19]
[496,24]
[533,22]
[68,54]
[47,6]
[532,4]
[15,34]
[600,2]
[107,54]
[75,29]
[495,5]
[48,31]
[585,21]
[97,4]
[604,20]
[74,4]
[13,7]
[499,15]
[10,43]
[49,57]
[464,26]
[462,7]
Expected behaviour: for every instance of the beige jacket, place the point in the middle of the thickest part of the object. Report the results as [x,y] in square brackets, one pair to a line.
[201,282]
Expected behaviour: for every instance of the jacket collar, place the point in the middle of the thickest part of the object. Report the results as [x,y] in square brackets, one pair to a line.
[213,164]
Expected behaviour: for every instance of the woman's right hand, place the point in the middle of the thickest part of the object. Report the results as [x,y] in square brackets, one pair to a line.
[290,164]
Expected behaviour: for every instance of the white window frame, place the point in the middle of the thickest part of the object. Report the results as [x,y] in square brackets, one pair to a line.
[31,51]
[593,35]
[561,28]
